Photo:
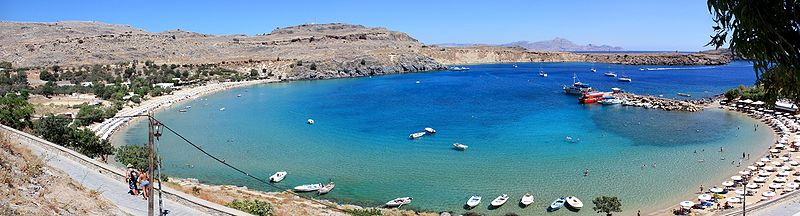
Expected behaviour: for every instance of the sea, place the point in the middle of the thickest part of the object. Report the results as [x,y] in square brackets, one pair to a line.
[515,123]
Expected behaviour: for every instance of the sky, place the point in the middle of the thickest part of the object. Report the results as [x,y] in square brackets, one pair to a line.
[643,25]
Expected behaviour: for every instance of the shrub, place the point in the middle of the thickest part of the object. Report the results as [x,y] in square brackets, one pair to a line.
[135,155]
[364,212]
[255,207]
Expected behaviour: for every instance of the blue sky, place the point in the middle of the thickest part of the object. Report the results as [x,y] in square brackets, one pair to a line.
[636,25]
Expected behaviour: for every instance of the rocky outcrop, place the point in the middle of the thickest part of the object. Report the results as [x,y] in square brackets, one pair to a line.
[667,104]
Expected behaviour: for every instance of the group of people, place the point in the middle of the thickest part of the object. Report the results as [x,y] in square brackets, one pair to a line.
[138,182]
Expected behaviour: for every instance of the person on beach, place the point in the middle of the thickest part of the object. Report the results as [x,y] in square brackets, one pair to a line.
[720,149]
[701,188]
[748,156]
[586,172]
[131,176]
[144,182]
[742,154]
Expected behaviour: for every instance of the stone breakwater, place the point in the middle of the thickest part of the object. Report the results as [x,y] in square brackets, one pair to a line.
[653,102]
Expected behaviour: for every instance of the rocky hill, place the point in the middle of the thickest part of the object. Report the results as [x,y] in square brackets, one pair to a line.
[496,54]
[559,45]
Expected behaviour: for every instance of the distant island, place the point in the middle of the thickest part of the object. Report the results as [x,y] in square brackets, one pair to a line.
[555,45]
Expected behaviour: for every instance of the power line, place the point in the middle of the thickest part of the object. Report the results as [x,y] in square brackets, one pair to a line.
[243,172]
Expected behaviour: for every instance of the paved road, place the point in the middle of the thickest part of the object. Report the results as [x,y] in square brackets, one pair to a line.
[113,190]
[788,206]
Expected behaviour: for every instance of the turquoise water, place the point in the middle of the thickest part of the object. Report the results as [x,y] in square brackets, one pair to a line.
[514,122]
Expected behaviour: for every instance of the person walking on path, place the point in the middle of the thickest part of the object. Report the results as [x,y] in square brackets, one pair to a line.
[144,182]
[132,176]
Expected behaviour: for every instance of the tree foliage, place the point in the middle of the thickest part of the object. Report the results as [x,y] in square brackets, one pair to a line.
[57,129]
[15,111]
[255,207]
[89,114]
[767,32]
[604,204]
[135,155]
[742,92]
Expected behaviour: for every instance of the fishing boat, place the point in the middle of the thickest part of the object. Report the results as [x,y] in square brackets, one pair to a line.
[416,135]
[474,201]
[460,147]
[500,200]
[684,95]
[557,204]
[278,176]
[328,187]
[624,79]
[577,88]
[610,74]
[308,187]
[310,121]
[527,199]
[430,130]
[399,202]
[574,202]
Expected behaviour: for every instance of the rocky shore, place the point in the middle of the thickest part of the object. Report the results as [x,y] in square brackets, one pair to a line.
[653,102]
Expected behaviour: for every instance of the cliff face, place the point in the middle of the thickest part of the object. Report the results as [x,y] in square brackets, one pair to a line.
[334,50]
[494,54]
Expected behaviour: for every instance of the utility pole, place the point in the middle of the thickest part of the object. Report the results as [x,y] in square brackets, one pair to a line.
[150,160]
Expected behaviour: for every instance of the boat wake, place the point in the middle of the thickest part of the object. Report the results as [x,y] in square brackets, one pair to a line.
[676,68]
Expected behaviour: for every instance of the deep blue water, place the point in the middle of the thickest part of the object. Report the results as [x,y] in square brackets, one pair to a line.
[514,121]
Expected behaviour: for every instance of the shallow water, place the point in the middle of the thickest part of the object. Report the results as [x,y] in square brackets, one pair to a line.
[514,122]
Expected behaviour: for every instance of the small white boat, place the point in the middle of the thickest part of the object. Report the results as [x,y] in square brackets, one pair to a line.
[500,200]
[527,199]
[542,74]
[684,95]
[611,101]
[239,95]
[278,176]
[594,70]
[308,187]
[574,202]
[188,107]
[474,201]
[460,147]
[417,82]
[399,202]
[430,130]
[328,187]
[182,110]
[624,79]
[557,204]
[222,109]
[515,65]
[310,121]
[416,135]
[610,74]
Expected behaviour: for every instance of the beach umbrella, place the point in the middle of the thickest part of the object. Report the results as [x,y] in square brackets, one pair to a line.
[793,185]
[784,173]
[780,146]
[752,168]
[733,199]
[776,185]
[704,197]
[736,178]
[786,168]
[776,163]
[761,164]
[744,172]
[741,191]
[687,204]
[763,173]
[727,183]
[752,185]
[759,179]
[716,190]
[780,179]
[784,158]
[774,150]
[765,159]
[768,194]
[769,168]
[793,163]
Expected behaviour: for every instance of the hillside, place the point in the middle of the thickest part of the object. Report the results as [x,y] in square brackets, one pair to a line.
[497,54]
[561,44]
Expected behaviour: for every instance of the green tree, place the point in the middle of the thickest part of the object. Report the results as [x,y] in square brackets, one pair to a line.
[89,114]
[607,205]
[135,155]
[767,32]
[15,111]
[47,76]
[255,207]
[54,129]
[87,143]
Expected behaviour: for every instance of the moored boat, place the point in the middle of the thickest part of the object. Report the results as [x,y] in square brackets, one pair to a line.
[588,98]
[430,130]
[310,121]
[328,187]
[416,135]
[542,74]
[527,199]
[222,109]
[610,74]
[460,147]
[278,176]
[399,202]
[474,201]
[574,202]
[500,200]
[182,110]
[577,87]
[684,95]
[308,187]
[557,204]
[624,79]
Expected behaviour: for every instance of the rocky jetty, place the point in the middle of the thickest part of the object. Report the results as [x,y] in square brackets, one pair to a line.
[667,104]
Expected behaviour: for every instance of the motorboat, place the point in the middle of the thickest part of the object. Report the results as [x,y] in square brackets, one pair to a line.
[527,199]
[459,68]
[399,202]
[460,147]
[610,74]
[577,88]
[474,201]
[624,79]
[417,82]
[430,130]
[188,107]
[574,202]
[308,187]
[500,200]
[684,95]
[515,66]
[557,204]
[182,110]
[610,101]
[416,135]
[310,121]
[328,187]
[239,95]
[594,70]
[542,74]
[222,109]
[278,176]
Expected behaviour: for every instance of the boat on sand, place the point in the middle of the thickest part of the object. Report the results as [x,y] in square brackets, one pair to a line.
[278,176]
[557,204]
[527,199]
[399,202]
[574,202]
[500,200]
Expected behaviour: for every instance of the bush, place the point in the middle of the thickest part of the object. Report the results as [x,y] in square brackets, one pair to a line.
[135,155]
[255,207]
[364,212]
[15,111]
